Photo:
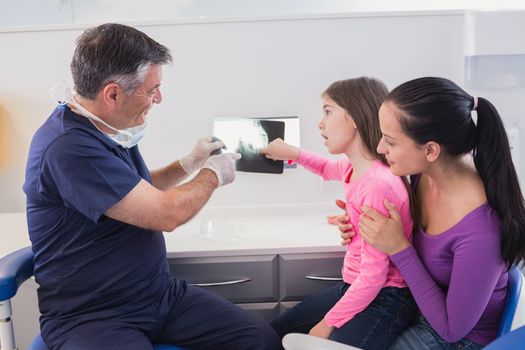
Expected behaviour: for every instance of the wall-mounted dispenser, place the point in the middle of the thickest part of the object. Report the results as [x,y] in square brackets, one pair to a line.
[495,49]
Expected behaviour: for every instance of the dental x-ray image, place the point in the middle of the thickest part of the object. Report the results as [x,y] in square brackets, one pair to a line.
[248,137]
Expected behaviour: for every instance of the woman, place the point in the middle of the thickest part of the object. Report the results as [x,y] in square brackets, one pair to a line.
[470,212]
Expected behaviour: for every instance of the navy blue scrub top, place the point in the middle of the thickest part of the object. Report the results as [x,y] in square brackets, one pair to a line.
[84,261]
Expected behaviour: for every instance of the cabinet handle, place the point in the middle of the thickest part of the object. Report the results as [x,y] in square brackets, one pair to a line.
[225,283]
[321,278]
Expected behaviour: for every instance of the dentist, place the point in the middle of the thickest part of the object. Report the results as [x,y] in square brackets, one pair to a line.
[95,212]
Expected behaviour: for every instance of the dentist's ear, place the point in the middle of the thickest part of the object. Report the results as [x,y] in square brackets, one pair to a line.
[110,93]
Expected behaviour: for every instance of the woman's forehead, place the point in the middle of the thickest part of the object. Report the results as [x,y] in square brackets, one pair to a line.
[388,114]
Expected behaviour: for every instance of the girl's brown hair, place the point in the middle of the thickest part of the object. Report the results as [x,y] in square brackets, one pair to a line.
[361,98]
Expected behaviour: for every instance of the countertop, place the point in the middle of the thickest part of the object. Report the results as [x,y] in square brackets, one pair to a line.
[228,231]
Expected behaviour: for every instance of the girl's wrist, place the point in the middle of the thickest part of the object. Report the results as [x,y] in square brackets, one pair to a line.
[295,153]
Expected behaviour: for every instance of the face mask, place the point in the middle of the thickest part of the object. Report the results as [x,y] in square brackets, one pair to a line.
[127,138]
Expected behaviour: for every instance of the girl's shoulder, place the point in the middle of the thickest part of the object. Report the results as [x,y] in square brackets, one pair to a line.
[384,185]
[382,178]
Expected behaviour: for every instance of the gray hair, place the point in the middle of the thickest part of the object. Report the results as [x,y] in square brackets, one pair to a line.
[114,53]
[129,82]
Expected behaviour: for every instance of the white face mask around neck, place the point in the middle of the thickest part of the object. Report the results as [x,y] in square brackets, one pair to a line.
[127,138]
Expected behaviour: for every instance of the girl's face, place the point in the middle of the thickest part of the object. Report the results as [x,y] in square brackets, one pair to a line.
[404,156]
[337,128]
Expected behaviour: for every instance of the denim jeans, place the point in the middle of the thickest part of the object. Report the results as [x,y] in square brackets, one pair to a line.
[376,327]
[421,336]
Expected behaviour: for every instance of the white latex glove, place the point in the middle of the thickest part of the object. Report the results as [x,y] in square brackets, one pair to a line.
[223,165]
[201,151]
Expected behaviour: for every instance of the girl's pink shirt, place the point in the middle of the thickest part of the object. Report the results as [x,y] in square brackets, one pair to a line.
[365,268]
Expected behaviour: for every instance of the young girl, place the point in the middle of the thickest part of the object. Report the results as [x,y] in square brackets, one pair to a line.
[373,305]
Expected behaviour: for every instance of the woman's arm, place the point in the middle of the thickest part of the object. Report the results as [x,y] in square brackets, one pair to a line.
[475,271]
[454,312]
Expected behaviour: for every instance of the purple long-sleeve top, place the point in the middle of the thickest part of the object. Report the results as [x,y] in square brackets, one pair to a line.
[458,277]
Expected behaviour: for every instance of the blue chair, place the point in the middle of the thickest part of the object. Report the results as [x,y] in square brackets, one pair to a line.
[514,311]
[15,268]
[512,340]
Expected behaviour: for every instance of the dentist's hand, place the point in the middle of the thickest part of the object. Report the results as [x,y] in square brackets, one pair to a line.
[223,165]
[280,150]
[201,151]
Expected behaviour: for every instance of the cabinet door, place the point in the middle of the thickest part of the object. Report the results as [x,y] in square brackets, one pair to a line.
[301,275]
[240,279]
[265,311]
[287,305]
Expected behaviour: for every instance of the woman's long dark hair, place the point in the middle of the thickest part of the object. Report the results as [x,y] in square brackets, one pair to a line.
[436,109]
[361,98]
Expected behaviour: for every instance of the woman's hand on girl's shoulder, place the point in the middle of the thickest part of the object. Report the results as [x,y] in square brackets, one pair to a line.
[383,233]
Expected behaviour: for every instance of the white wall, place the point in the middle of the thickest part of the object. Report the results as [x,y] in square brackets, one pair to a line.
[44,12]
[254,68]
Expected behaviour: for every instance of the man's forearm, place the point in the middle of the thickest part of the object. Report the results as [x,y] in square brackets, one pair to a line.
[169,176]
[188,199]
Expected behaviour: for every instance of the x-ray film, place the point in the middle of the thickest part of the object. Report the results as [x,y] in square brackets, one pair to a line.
[248,137]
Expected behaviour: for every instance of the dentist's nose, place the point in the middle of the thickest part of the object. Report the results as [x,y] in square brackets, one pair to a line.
[157,98]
